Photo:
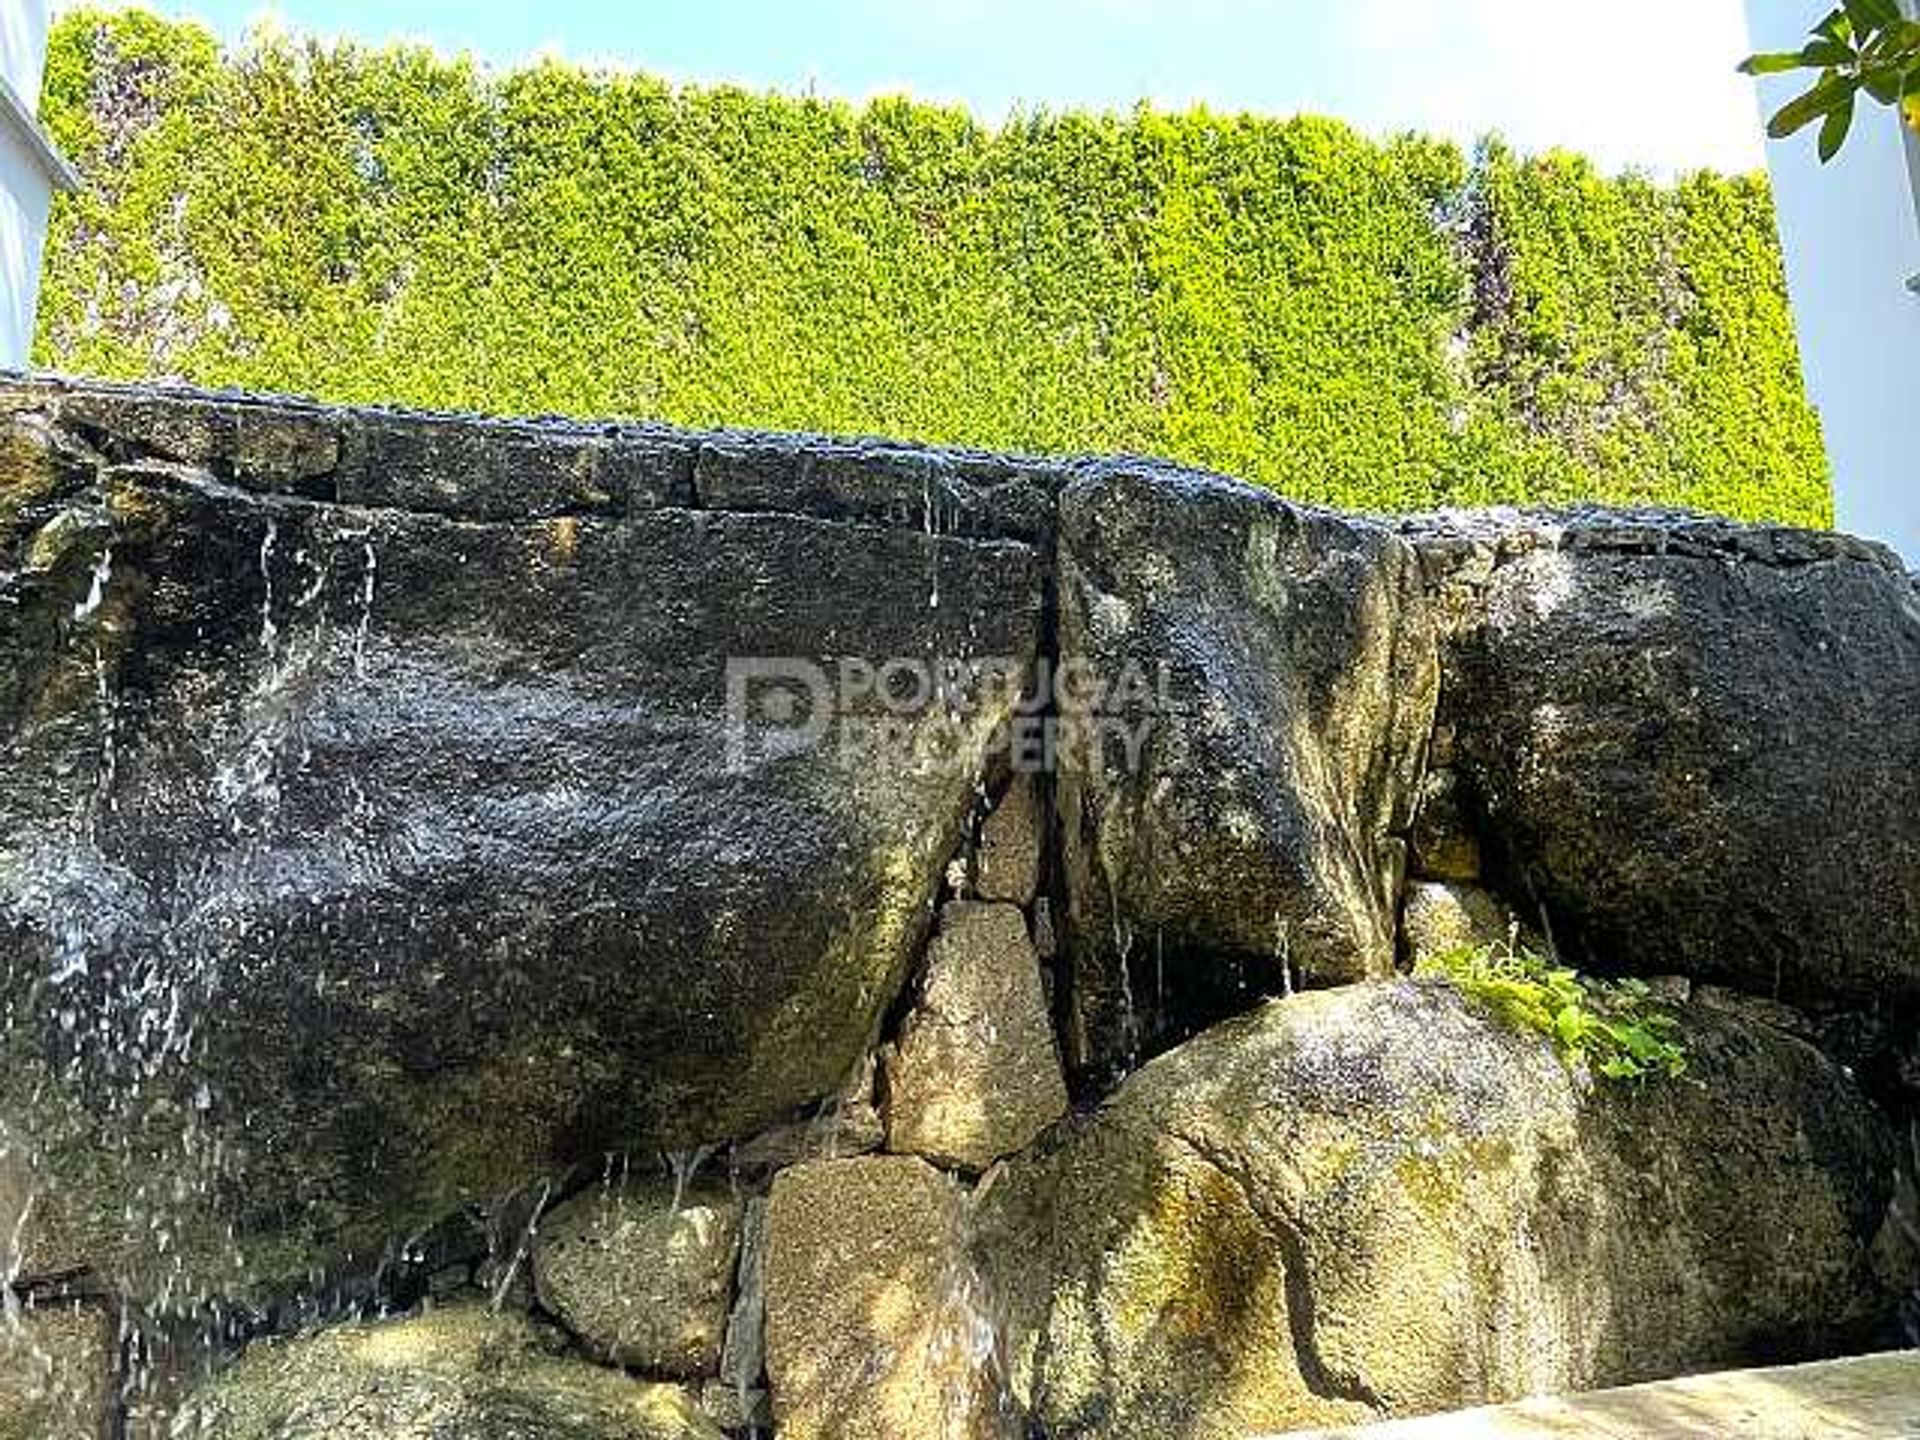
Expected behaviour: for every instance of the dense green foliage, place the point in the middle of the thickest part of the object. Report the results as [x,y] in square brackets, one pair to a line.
[1374,324]
[1609,1027]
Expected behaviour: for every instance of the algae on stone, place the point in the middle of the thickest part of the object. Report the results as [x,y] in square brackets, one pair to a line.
[460,1372]
[1373,1200]
[643,1273]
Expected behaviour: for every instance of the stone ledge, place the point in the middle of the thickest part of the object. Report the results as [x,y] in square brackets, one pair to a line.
[1868,1397]
[501,469]
[1448,538]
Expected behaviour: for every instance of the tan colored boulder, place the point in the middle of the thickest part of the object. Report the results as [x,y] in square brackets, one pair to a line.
[643,1273]
[1440,919]
[1009,857]
[462,1371]
[56,1372]
[975,1074]
[1374,1201]
[875,1326]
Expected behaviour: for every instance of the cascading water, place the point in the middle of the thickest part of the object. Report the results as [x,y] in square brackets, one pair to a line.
[523,1247]
[685,1166]
[96,587]
[120,1025]
[930,526]
[370,565]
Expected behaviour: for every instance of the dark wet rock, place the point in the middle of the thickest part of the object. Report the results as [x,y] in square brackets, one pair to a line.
[1696,745]
[847,1122]
[1372,1200]
[358,862]
[1265,679]
[737,1397]
[942,492]
[1443,845]
[382,459]
[462,1371]
[643,1273]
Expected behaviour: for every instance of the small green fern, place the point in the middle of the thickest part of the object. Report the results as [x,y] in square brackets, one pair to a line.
[1610,1027]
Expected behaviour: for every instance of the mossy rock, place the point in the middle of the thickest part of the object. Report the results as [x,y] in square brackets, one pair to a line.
[1375,1200]
[462,1373]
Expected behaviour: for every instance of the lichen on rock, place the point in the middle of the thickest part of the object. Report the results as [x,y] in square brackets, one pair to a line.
[643,1272]
[975,1074]
[1372,1201]
[462,1371]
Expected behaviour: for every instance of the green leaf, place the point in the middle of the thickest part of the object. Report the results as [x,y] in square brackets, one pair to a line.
[1836,26]
[1868,15]
[1882,86]
[1822,99]
[1833,131]
[1823,54]
[1772,63]
[1892,47]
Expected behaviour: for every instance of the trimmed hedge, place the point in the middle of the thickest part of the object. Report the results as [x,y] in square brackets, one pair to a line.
[1374,324]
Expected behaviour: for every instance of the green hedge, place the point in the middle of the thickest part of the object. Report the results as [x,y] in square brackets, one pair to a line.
[1376,324]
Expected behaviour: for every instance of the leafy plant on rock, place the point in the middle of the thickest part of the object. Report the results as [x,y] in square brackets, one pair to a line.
[1610,1027]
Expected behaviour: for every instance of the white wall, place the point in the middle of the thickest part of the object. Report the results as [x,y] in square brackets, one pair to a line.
[25,198]
[23,46]
[1852,241]
[25,184]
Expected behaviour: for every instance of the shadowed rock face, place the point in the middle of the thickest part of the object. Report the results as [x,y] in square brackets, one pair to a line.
[1695,745]
[391,857]
[1275,668]
[1309,1215]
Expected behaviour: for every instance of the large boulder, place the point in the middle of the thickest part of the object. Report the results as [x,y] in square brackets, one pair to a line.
[369,844]
[1247,689]
[1372,1200]
[1694,745]
[462,1371]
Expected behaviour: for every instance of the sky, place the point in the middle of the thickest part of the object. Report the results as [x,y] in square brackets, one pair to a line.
[1648,84]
